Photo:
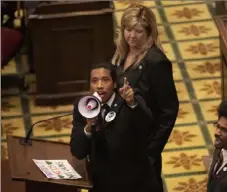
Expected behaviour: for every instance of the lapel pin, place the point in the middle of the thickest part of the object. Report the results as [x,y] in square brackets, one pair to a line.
[140,67]
[110,116]
[225,169]
[115,105]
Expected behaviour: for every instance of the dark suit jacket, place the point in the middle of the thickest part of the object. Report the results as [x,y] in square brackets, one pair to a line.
[218,184]
[118,152]
[153,77]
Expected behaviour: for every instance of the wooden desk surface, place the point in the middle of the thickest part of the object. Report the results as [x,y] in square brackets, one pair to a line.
[24,169]
[7,184]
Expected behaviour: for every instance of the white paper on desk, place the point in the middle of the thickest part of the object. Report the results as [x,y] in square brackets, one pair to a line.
[57,169]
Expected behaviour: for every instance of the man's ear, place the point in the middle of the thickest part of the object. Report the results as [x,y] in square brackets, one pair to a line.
[115,85]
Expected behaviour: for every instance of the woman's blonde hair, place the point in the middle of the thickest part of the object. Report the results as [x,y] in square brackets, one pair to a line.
[134,14]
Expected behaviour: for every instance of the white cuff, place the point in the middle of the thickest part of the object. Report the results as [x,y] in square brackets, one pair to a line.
[133,106]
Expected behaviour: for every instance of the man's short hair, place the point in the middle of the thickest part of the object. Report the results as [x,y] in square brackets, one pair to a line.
[107,66]
[222,109]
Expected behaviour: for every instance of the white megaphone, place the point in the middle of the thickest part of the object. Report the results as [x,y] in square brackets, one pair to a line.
[90,106]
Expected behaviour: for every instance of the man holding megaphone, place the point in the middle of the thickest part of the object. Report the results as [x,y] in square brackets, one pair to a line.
[115,136]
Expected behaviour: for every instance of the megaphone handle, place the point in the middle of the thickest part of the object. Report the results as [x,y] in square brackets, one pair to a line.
[90,129]
[95,128]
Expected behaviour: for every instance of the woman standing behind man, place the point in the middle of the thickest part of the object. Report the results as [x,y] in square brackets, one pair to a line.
[140,58]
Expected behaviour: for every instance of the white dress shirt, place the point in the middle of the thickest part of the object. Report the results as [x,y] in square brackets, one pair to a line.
[224,153]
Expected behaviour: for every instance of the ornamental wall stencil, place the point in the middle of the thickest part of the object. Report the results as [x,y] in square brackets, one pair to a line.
[192,185]
[8,129]
[202,48]
[208,67]
[182,113]
[185,161]
[7,106]
[187,13]
[194,30]
[213,109]
[57,124]
[212,88]
[181,137]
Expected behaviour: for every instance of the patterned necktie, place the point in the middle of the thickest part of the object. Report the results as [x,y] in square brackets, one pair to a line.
[218,164]
[101,117]
[105,109]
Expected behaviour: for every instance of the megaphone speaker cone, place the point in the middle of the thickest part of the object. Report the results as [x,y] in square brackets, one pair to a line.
[89,107]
